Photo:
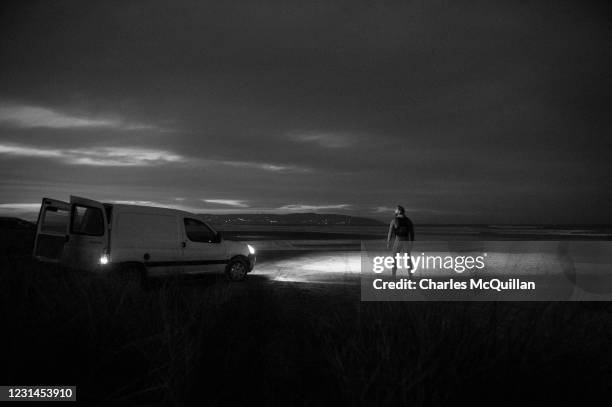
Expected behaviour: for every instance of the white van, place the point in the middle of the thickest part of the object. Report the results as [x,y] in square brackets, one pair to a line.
[134,241]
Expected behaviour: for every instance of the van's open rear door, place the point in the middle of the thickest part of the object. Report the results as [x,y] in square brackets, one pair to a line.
[51,230]
[88,234]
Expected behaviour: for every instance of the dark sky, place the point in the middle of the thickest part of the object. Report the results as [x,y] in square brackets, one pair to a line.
[462,111]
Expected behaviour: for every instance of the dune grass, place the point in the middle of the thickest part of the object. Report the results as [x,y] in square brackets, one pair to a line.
[179,342]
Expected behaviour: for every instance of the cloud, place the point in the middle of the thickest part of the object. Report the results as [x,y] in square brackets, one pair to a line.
[323,139]
[121,157]
[264,166]
[95,156]
[20,207]
[131,157]
[302,207]
[25,116]
[24,151]
[228,202]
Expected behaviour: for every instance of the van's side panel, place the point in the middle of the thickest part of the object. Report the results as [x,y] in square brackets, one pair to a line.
[148,236]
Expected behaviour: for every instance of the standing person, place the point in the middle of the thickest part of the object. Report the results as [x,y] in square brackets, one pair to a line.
[401,230]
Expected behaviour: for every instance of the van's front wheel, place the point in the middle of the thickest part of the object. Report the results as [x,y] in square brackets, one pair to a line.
[237,269]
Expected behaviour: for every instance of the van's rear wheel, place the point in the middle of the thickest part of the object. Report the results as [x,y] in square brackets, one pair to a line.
[237,269]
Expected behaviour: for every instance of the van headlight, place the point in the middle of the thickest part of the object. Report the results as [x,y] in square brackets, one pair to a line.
[104,259]
[251,249]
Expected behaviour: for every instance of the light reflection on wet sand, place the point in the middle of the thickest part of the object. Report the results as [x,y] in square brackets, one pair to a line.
[345,266]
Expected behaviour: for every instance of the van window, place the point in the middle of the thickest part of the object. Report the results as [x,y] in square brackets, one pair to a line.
[55,220]
[87,221]
[198,231]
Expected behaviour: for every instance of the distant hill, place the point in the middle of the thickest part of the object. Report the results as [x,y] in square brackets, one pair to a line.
[293,219]
[16,238]
[15,223]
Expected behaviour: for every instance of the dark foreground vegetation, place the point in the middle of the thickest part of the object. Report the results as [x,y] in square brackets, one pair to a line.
[211,342]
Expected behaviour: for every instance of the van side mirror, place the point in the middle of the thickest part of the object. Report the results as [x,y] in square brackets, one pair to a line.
[218,237]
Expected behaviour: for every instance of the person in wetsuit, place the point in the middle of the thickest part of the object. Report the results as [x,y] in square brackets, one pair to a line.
[401,232]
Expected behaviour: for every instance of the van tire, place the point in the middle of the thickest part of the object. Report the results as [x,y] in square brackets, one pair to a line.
[237,269]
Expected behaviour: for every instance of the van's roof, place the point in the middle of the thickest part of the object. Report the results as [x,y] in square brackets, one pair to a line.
[148,209]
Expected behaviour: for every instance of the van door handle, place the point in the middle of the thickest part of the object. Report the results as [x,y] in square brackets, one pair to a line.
[183,245]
